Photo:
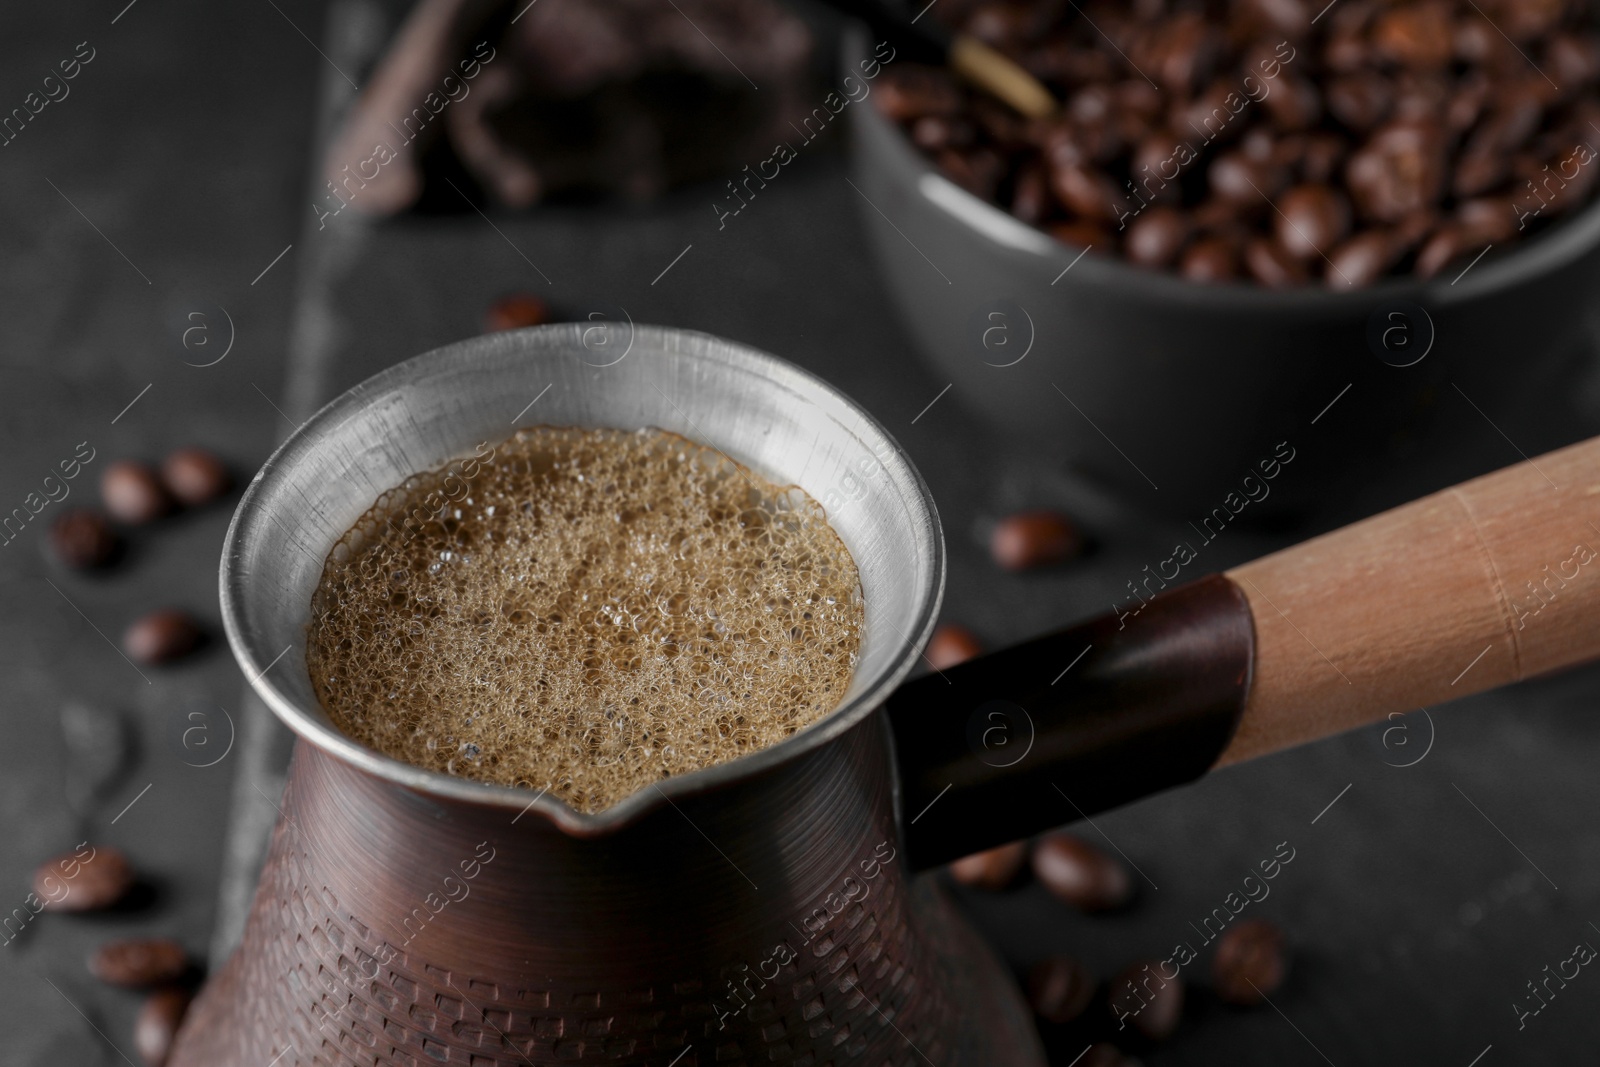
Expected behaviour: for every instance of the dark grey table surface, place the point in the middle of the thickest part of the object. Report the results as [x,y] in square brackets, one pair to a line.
[1420,900]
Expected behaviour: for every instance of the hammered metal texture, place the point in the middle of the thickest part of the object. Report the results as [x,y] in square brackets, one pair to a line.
[604,951]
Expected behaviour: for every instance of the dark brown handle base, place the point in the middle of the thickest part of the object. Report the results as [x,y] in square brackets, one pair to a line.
[1070,724]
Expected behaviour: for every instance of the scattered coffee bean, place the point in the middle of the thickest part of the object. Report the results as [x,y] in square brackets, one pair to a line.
[993,869]
[1059,989]
[1145,999]
[157,1024]
[950,645]
[1034,539]
[1079,874]
[90,878]
[132,493]
[1252,961]
[83,539]
[161,637]
[515,311]
[194,476]
[139,963]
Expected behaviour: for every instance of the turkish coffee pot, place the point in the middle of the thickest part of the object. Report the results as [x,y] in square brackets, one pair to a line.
[770,909]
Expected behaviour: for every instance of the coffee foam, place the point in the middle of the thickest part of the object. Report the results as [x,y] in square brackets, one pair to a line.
[584,611]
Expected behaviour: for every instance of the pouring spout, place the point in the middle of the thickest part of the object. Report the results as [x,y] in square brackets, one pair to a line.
[1066,725]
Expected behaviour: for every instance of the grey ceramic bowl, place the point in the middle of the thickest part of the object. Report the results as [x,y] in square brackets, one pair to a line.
[1171,391]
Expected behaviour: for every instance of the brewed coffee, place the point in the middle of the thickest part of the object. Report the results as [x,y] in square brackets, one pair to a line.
[584,611]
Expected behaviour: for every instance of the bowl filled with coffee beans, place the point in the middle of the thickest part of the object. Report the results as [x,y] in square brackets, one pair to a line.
[1237,209]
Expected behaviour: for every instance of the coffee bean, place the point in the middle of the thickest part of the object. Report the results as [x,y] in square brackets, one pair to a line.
[1478,172]
[88,879]
[1034,539]
[1238,179]
[950,645]
[1468,102]
[1208,116]
[161,637]
[993,869]
[1573,61]
[1311,219]
[1059,989]
[132,493]
[139,963]
[999,25]
[912,92]
[934,132]
[1252,961]
[1294,103]
[194,476]
[1272,266]
[1079,874]
[1418,35]
[1283,18]
[1144,997]
[1361,99]
[1105,1054]
[1083,235]
[1087,192]
[1030,199]
[976,170]
[1362,260]
[1447,243]
[83,539]
[1397,114]
[1062,61]
[157,1024]
[1222,218]
[1090,106]
[1345,52]
[1474,41]
[1523,20]
[1210,259]
[1400,170]
[1510,123]
[1187,49]
[1487,219]
[1157,236]
[1321,156]
[515,311]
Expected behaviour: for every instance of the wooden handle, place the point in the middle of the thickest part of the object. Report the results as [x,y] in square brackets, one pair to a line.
[1471,588]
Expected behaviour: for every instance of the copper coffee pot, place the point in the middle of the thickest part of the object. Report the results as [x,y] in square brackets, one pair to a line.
[766,910]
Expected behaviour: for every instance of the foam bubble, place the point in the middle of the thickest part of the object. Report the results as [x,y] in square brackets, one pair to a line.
[586,611]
